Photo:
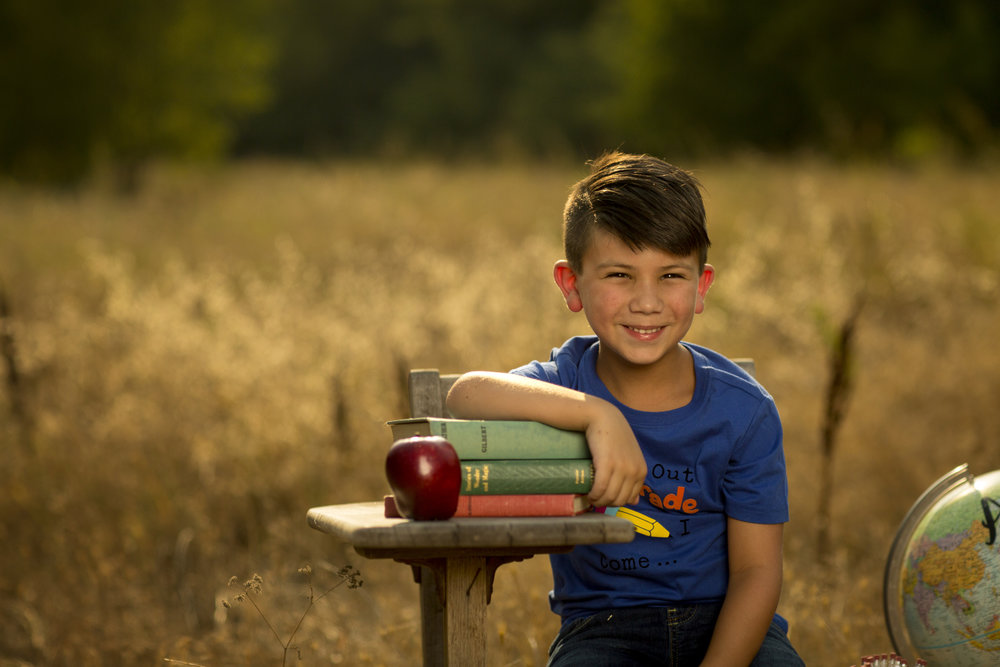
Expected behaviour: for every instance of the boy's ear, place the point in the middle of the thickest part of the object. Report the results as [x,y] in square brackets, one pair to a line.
[705,281]
[565,277]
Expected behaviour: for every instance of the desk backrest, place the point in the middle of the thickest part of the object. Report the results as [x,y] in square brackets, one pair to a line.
[428,389]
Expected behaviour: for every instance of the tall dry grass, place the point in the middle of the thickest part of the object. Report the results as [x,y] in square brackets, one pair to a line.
[202,361]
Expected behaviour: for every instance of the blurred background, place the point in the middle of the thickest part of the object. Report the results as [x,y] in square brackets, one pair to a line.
[228,230]
[122,83]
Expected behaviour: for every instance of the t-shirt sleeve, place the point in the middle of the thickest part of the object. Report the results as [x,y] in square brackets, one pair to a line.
[562,368]
[755,485]
[556,370]
[539,371]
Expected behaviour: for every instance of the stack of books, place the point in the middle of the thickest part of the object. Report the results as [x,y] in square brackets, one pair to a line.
[511,468]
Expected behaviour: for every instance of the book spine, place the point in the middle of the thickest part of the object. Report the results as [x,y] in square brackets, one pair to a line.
[541,504]
[552,504]
[520,476]
[497,439]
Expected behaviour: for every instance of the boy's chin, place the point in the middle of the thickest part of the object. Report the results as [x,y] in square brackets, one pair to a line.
[638,359]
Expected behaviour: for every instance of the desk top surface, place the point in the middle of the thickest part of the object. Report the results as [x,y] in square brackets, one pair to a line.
[365,526]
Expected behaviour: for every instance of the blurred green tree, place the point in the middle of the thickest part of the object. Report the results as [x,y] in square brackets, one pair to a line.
[443,76]
[846,76]
[122,81]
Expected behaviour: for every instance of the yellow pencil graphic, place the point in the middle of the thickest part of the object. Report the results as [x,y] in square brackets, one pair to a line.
[643,524]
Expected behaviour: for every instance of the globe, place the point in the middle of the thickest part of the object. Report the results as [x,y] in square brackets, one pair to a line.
[942,576]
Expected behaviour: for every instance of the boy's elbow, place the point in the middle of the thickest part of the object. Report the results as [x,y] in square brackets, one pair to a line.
[460,400]
[492,395]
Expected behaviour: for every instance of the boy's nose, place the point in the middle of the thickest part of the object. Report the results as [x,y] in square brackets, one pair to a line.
[646,299]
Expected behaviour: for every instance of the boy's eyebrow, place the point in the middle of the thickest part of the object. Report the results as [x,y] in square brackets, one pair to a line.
[615,264]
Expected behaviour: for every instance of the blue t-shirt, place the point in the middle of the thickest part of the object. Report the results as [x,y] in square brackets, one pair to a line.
[718,456]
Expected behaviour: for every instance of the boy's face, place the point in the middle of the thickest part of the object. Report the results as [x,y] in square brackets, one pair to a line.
[639,303]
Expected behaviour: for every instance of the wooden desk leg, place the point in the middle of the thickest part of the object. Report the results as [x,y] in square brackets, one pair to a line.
[432,620]
[467,581]
[454,593]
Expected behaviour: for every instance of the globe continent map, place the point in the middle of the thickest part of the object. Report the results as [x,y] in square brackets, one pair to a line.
[943,574]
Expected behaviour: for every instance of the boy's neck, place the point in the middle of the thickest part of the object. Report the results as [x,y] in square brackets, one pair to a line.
[667,385]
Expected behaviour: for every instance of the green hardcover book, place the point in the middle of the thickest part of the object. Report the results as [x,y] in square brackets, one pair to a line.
[519,476]
[497,439]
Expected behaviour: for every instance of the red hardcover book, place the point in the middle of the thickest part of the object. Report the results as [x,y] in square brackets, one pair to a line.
[536,504]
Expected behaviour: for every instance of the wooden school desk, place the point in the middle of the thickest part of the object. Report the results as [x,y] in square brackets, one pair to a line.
[454,562]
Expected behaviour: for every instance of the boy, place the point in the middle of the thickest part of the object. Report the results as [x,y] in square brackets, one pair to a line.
[676,430]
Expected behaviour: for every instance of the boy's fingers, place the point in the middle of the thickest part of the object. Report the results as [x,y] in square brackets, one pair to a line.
[607,493]
[621,497]
[636,492]
[630,496]
[603,498]
[631,488]
[615,488]
[617,493]
[598,488]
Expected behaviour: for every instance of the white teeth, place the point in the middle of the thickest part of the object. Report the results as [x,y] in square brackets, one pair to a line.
[645,331]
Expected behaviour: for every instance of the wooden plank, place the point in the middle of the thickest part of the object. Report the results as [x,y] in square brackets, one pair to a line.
[427,392]
[426,399]
[445,384]
[432,618]
[465,611]
[747,364]
[365,526]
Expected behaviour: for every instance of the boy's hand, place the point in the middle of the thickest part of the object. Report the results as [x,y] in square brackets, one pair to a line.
[619,466]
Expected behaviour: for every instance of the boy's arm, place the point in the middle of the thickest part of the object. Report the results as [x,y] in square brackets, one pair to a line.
[619,466]
[752,597]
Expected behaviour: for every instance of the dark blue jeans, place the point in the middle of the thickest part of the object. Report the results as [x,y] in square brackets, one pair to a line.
[670,636]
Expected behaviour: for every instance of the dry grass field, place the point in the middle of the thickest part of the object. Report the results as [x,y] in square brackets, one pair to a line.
[200,362]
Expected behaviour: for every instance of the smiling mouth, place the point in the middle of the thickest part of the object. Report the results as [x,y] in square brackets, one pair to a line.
[644,331]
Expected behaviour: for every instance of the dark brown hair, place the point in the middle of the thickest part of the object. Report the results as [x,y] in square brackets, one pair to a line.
[643,201]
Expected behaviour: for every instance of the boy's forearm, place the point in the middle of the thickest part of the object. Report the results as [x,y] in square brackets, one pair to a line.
[751,600]
[486,395]
[755,573]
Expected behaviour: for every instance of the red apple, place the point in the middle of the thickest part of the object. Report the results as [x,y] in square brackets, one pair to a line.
[425,475]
